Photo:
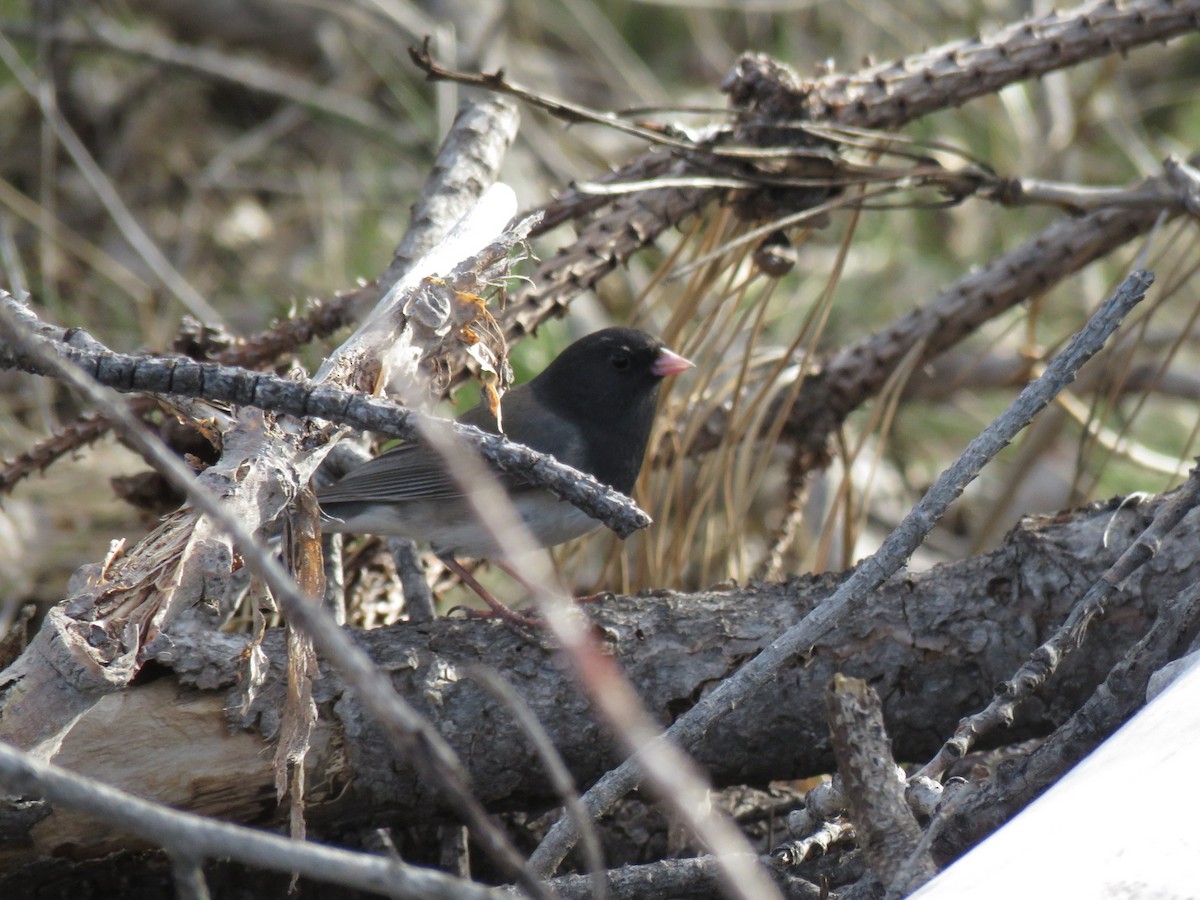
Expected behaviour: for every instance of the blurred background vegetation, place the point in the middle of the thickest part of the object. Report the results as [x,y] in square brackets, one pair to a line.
[232,160]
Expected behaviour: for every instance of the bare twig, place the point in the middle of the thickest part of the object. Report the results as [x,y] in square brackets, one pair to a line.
[1044,661]
[874,786]
[196,836]
[418,599]
[1077,198]
[189,877]
[335,582]
[181,377]
[53,448]
[908,535]
[976,810]
[568,112]
[827,833]
[1185,178]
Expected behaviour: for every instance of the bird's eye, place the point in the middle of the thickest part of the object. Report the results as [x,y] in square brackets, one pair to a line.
[620,360]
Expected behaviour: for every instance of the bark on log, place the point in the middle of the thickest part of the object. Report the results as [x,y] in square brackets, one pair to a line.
[932,645]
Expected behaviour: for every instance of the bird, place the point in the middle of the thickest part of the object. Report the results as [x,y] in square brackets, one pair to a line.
[591,408]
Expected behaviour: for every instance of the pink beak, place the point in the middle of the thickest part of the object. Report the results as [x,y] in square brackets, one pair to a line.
[669,363]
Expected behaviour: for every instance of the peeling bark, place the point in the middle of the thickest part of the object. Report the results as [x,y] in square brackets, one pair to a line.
[932,645]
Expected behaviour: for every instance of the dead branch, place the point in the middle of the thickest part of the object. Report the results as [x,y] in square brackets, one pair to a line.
[1034,671]
[893,93]
[766,93]
[975,622]
[874,787]
[883,564]
[195,837]
[175,377]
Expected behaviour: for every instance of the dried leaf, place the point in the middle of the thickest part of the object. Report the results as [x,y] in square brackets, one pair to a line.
[302,549]
[257,663]
[489,374]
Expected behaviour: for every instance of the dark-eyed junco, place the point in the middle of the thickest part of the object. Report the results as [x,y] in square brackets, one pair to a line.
[591,408]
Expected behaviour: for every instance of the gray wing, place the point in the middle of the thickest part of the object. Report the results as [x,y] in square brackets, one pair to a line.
[415,472]
[404,473]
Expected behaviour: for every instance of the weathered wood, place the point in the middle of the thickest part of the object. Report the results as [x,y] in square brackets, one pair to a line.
[932,645]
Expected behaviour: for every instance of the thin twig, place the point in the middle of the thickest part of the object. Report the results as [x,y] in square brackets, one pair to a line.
[1185,178]
[188,873]
[560,776]
[418,599]
[977,810]
[826,834]
[1077,198]
[335,580]
[572,113]
[198,836]
[1045,660]
[182,377]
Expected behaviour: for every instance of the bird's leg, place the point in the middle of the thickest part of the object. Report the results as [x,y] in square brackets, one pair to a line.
[498,608]
[598,597]
[590,598]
